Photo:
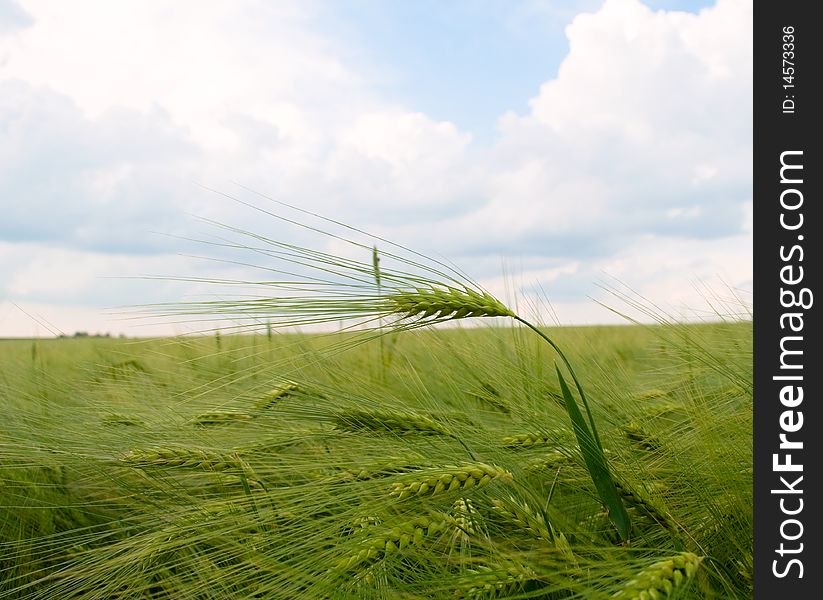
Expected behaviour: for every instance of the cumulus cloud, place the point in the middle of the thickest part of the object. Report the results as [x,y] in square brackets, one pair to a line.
[90,183]
[654,110]
[197,60]
[635,153]
[639,150]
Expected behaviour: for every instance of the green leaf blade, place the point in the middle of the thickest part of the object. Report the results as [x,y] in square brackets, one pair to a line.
[596,463]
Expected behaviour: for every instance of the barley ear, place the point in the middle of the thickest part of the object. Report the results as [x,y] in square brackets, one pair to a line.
[661,579]
[522,441]
[392,540]
[400,423]
[220,417]
[494,582]
[524,518]
[443,303]
[279,392]
[448,479]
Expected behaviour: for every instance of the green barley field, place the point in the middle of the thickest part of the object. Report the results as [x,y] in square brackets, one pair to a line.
[423,463]
[377,425]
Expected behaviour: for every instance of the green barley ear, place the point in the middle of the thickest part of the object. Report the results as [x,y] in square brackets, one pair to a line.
[562,544]
[493,582]
[641,438]
[644,506]
[360,524]
[443,303]
[549,462]
[277,393]
[653,394]
[121,419]
[375,261]
[390,466]
[431,482]
[399,423]
[489,395]
[179,457]
[522,441]
[382,545]
[524,518]
[465,515]
[661,579]
[220,417]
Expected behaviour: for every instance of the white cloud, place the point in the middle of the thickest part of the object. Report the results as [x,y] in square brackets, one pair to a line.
[199,61]
[650,103]
[33,271]
[644,130]
[400,162]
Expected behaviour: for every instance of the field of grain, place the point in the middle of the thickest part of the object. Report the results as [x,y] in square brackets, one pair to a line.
[422,464]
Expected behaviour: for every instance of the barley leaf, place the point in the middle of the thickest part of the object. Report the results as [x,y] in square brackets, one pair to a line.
[595,462]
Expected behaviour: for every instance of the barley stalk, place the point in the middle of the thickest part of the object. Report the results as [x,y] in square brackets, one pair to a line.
[661,579]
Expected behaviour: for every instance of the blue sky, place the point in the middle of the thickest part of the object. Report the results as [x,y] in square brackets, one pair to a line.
[465,61]
[571,141]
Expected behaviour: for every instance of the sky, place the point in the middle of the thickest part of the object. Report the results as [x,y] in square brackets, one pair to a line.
[557,146]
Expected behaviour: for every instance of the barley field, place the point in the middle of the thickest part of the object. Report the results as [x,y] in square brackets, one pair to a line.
[421,463]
